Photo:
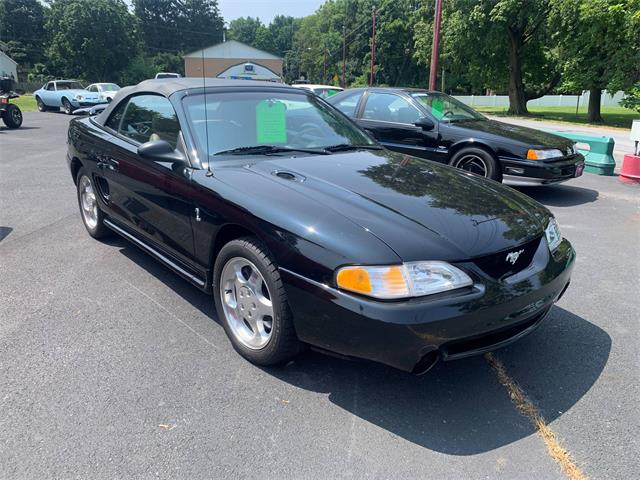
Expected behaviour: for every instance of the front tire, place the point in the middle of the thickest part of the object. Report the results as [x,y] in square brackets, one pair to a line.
[41,106]
[251,303]
[92,216]
[67,107]
[478,161]
[12,116]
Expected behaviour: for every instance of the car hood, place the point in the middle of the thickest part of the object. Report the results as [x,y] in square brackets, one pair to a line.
[84,93]
[529,137]
[420,209]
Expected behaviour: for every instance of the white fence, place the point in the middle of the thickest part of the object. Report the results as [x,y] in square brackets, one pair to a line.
[608,100]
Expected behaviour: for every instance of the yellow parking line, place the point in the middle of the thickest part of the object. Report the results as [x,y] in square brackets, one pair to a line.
[529,410]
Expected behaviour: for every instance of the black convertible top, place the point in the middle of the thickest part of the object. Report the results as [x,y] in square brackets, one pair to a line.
[169,86]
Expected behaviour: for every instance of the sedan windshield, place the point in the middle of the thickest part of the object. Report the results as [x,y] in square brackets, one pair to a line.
[69,86]
[269,122]
[446,108]
[109,87]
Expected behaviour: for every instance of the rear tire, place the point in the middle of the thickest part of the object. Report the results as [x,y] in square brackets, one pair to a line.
[92,216]
[12,116]
[251,303]
[478,161]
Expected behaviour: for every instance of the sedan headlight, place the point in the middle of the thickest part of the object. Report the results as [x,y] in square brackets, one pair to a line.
[413,279]
[78,97]
[544,154]
[552,232]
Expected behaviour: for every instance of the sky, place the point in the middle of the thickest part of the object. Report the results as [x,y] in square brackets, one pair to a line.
[266,9]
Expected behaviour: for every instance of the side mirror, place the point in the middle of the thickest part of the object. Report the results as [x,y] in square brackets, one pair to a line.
[425,123]
[161,151]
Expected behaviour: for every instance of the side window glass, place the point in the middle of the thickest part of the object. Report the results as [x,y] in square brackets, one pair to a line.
[114,120]
[150,118]
[348,105]
[50,86]
[387,107]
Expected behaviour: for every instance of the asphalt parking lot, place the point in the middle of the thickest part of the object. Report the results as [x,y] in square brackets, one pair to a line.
[111,366]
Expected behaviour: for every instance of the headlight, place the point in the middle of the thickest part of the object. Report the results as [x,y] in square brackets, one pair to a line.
[544,154]
[413,279]
[79,97]
[552,232]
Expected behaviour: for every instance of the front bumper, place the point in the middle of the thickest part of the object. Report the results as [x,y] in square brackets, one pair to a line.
[87,102]
[413,334]
[541,172]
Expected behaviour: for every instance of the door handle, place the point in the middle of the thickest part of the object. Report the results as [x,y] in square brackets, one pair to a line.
[109,164]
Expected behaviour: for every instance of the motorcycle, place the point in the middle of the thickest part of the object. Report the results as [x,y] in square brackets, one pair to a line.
[11,113]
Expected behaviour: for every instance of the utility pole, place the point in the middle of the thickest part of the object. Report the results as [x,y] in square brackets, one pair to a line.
[324,66]
[433,73]
[373,44]
[344,57]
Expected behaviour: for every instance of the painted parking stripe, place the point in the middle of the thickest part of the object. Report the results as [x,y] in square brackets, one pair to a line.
[526,407]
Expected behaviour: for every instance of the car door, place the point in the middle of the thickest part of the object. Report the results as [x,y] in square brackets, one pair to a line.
[149,197]
[391,118]
[47,95]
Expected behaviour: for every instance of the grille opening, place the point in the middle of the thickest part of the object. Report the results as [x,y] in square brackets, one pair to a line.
[498,266]
[286,175]
[484,341]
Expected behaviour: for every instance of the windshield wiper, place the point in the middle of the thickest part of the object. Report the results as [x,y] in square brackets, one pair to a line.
[267,149]
[345,146]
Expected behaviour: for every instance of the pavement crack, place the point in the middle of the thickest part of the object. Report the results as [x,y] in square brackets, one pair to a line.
[527,408]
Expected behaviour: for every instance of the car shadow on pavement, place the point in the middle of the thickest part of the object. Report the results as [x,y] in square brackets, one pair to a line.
[560,195]
[457,408]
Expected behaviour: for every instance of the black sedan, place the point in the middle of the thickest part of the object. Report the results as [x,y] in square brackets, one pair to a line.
[307,232]
[438,127]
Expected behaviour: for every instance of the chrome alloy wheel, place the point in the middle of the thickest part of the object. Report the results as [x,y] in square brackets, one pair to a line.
[88,202]
[246,302]
[473,163]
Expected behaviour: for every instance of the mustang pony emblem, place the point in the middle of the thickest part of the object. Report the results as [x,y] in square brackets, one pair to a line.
[513,256]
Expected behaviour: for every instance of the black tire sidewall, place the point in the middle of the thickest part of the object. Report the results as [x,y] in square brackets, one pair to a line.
[7,116]
[41,106]
[100,230]
[272,352]
[494,171]
[67,107]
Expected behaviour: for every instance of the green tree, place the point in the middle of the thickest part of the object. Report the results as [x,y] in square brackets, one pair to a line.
[502,45]
[22,31]
[178,25]
[282,30]
[252,32]
[599,45]
[81,38]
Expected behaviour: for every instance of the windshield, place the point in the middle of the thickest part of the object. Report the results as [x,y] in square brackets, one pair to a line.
[326,92]
[242,120]
[446,108]
[69,86]
[110,87]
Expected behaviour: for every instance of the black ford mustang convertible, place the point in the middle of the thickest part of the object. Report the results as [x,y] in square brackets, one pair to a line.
[308,232]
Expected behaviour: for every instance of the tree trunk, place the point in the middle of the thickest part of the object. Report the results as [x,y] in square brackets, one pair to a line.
[517,96]
[593,113]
